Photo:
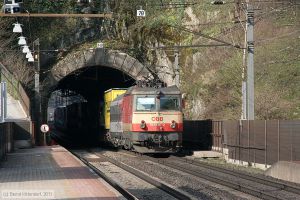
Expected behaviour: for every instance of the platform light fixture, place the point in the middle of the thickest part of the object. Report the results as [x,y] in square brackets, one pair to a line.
[22,41]
[29,55]
[17,28]
[12,1]
[31,59]
[84,1]
[217,2]
[11,8]
[25,49]
[100,45]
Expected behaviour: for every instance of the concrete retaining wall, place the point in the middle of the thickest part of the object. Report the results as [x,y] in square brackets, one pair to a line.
[6,139]
[23,137]
[14,135]
[288,171]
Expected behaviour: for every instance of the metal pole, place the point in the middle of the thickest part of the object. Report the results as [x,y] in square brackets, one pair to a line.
[249,163]
[2,103]
[5,100]
[266,150]
[37,99]
[37,70]
[244,82]
[292,139]
[250,63]
[0,72]
[176,67]
[239,145]
[278,136]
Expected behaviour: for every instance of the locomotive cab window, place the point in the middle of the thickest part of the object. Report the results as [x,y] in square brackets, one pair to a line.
[145,104]
[169,103]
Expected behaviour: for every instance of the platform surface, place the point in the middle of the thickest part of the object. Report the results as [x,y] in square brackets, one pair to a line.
[50,173]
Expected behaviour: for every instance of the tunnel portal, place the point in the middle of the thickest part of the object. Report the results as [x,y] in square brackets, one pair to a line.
[81,95]
[87,74]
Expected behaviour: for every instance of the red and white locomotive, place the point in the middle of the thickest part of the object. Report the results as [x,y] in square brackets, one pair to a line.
[146,120]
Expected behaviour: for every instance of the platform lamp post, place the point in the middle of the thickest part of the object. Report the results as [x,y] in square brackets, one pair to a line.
[37,96]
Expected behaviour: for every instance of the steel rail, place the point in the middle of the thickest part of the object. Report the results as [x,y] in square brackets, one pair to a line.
[215,179]
[119,188]
[272,183]
[212,178]
[173,192]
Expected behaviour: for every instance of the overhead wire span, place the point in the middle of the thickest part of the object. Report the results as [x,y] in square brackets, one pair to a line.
[207,36]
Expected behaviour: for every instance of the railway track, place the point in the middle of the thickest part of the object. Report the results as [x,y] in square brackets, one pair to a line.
[205,171]
[192,186]
[118,187]
[171,191]
[198,169]
[258,179]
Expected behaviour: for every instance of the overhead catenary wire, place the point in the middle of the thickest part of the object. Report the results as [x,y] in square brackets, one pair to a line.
[207,36]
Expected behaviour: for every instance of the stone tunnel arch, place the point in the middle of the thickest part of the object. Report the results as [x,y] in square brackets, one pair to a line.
[100,58]
[77,60]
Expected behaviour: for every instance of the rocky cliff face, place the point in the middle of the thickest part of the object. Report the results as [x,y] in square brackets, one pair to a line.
[210,75]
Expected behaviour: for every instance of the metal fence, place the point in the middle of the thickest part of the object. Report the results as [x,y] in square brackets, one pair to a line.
[258,141]
[197,134]
[15,89]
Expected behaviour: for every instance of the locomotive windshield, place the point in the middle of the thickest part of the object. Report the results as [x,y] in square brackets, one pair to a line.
[169,103]
[145,104]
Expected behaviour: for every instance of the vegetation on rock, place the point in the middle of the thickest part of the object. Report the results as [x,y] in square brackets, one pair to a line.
[210,76]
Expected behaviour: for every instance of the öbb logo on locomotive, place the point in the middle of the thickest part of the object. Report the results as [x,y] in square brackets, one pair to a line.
[157,119]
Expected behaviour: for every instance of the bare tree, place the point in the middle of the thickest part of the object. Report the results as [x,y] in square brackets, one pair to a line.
[11,56]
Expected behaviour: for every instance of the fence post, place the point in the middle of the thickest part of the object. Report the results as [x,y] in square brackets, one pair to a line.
[278,136]
[291,136]
[222,137]
[254,143]
[217,138]
[236,143]
[239,145]
[249,143]
[213,136]
[266,159]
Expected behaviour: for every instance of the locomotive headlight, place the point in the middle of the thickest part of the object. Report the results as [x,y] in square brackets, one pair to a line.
[143,124]
[173,124]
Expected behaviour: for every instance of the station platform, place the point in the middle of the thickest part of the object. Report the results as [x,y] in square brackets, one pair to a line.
[50,173]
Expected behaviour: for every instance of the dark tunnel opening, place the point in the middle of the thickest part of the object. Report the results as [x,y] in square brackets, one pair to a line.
[81,124]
